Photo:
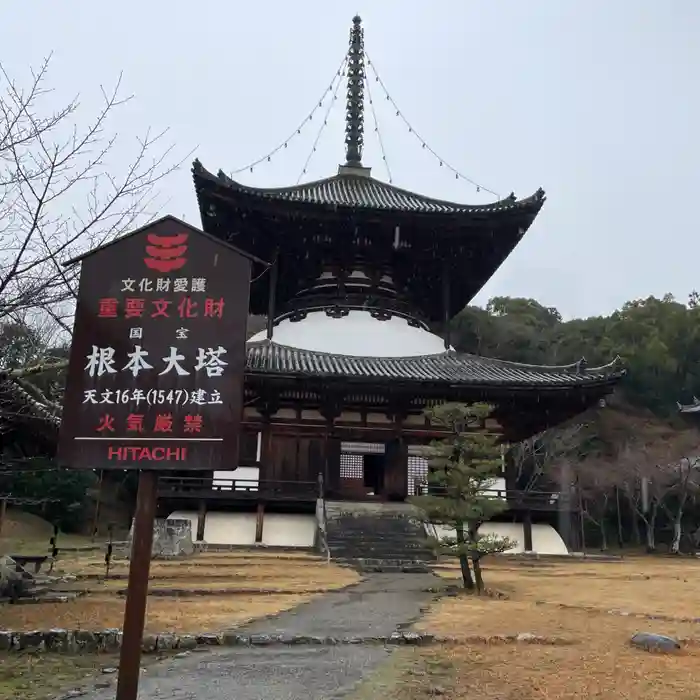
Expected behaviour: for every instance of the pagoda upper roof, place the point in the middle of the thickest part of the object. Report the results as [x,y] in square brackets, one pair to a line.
[360,191]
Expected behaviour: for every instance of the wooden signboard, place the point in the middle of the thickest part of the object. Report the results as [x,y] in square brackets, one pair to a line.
[155,379]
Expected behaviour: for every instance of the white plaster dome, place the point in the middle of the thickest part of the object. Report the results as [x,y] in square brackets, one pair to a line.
[358,334]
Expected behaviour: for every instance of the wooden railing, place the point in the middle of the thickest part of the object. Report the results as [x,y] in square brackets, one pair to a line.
[222,488]
[528,500]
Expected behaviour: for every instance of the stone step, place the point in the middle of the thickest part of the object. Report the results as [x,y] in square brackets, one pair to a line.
[408,541]
[376,547]
[385,517]
[387,565]
[370,508]
[387,537]
[382,532]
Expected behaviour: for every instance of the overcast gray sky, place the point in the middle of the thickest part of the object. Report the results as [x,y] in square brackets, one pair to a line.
[597,101]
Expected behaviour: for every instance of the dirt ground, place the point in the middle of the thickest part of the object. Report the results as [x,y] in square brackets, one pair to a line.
[300,576]
[594,658]
[36,677]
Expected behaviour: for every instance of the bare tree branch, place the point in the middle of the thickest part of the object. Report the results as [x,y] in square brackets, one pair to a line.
[60,194]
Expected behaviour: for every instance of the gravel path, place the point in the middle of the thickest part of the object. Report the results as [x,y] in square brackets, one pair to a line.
[376,607]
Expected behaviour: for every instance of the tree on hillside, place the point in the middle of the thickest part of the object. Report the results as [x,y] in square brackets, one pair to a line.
[657,339]
[461,470]
[66,491]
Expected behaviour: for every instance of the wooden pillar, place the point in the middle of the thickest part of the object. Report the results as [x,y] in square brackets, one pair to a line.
[259,518]
[527,531]
[269,405]
[332,464]
[446,302]
[264,468]
[331,409]
[271,299]
[201,519]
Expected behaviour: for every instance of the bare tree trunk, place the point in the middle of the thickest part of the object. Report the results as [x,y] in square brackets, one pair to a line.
[677,533]
[463,559]
[477,575]
[603,535]
[636,532]
[620,535]
[678,521]
[650,527]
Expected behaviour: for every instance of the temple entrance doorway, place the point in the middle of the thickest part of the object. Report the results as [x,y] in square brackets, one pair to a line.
[362,466]
[373,473]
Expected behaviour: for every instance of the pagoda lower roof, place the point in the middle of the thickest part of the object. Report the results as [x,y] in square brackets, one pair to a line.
[364,192]
[449,368]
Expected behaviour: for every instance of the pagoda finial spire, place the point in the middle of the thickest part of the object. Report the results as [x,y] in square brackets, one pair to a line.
[355,105]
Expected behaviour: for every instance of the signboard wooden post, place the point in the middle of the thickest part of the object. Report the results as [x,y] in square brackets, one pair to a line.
[155,377]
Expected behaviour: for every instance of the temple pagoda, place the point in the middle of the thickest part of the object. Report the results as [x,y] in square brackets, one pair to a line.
[363,274]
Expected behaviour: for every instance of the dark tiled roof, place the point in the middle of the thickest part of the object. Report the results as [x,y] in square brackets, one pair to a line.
[21,413]
[451,368]
[16,403]
[365,192]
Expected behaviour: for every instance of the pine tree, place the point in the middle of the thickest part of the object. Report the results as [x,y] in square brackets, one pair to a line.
[462,469]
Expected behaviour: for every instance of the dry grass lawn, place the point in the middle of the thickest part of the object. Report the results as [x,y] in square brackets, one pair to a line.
[296,571]
[182,614]
[301,575]
[664,586]
[599,663]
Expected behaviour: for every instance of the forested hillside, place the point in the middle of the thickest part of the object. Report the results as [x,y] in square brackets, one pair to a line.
[657,339]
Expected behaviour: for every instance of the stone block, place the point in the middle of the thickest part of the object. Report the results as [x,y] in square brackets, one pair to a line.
[5,640]
[166,642]
[650,641]
[33,641]
[209,639]
[14,583]
[187,641]
[85,641]
[231,639]
[149,643]
[109,640]
[171,538]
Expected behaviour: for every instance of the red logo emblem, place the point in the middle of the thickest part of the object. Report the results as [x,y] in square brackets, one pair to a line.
[166,253]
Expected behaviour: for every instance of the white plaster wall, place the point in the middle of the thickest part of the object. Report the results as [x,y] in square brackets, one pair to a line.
[496,485]
[288,530]
[248,475]
[357,334]
[230,528]
[545,539]
[279,529]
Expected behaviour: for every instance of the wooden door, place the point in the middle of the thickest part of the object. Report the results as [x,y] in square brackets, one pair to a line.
[396,470]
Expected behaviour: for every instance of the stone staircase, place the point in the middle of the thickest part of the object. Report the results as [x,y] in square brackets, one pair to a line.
[382,537]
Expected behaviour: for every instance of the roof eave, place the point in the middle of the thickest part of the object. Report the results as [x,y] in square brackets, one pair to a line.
[201,175]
